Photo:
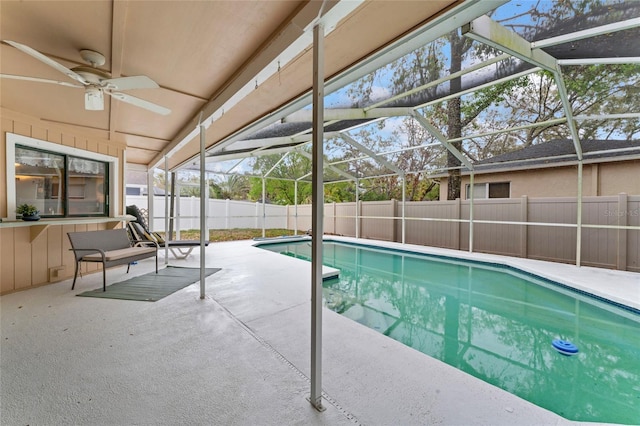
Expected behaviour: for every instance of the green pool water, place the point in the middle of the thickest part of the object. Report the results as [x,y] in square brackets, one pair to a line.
[495,323]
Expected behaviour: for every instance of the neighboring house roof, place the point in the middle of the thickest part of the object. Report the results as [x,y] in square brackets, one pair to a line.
[556,153]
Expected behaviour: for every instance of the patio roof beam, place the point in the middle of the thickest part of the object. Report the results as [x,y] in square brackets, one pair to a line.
[253,154]
[600,61]
[491,33]
[515,128]
[625,116]
[329,166]
[348,139]
[267,142]
[568,111]
[442,139]
[235,165]
[440,80]
[476,88]
[277,164]
[395,151]
[339,114]
[591,32]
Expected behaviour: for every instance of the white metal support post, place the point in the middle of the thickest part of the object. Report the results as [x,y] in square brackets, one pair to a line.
[178,191]
[471,197]
[317,207]
[264,207]
[150,199]
[167,237]
[579,217]
[203,210]
[357,208]
[295,200]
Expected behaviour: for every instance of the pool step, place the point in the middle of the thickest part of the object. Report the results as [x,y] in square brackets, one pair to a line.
[329,273]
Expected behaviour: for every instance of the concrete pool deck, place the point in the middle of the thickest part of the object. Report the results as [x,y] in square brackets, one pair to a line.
[241,355]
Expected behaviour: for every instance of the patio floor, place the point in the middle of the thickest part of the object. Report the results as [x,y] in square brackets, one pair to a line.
[238,357]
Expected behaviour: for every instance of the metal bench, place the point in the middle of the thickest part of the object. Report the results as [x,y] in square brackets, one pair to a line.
[111,248]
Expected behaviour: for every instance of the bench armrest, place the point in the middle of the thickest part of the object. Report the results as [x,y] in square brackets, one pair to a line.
[87,251]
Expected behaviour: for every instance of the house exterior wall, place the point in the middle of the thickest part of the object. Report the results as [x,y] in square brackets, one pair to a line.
[620,177]
[31,256]
[597,179]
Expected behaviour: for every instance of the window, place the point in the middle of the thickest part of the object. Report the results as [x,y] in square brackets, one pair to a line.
[59,180]
[490,190]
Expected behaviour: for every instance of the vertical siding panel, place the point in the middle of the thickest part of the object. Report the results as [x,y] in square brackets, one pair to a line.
[39,133]
[21,128]
[7,126]
[68,259]
[54,246]
[68,140]
[103,148]
[7,259]
[92,145]
[81,143]
[21,236]
[54,136]
[39,269]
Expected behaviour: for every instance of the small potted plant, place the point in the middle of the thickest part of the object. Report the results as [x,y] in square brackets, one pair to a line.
[29,212]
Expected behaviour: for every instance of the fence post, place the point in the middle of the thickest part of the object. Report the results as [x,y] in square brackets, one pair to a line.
[257,215]
[622,216]
[524,229]
[394,215]
[457,214]
[358,218]
[335,210]
[227,212]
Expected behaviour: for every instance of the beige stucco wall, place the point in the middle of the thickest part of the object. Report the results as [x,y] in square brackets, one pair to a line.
[597,179]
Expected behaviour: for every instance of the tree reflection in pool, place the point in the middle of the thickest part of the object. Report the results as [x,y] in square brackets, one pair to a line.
[495,323]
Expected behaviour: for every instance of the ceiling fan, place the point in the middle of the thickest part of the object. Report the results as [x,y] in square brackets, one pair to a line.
[94,81]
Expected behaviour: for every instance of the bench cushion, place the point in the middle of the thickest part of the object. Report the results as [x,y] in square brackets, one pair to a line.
[119,254]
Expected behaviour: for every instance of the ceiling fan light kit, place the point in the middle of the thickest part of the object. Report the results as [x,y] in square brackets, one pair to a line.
[96,82]
[93,99]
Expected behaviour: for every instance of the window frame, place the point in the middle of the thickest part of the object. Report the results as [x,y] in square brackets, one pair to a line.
[112,174]
[486,188]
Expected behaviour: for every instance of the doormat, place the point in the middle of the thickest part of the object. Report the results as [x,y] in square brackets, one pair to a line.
[151,287]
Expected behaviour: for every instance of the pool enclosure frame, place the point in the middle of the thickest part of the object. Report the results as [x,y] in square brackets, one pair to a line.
[476,26]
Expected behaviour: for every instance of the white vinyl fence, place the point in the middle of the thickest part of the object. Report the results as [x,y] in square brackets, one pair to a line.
[221,214]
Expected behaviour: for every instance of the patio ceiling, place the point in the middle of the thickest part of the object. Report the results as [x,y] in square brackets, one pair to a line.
[228,62]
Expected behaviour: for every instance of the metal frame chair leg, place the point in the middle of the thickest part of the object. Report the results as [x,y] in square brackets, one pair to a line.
[75,275]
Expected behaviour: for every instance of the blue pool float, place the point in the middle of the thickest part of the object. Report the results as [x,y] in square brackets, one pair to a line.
[564,347]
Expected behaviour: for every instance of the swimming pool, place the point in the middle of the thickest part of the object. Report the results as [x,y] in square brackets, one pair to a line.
[495,323]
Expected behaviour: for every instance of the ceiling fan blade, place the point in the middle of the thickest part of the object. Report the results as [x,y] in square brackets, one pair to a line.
[129,83]
[42,58]
[140,103]
[39,80]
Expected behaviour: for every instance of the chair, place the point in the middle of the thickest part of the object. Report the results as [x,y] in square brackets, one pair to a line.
[139,231]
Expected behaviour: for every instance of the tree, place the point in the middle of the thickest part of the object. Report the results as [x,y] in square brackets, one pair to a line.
[281,191]
[231,187]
